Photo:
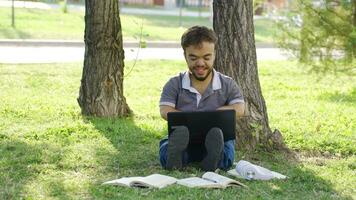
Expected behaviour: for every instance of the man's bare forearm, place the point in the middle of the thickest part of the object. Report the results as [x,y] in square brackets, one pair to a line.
[239,109]
[164,110]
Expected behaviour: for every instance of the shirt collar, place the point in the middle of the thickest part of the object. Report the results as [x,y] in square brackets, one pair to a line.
[216,85]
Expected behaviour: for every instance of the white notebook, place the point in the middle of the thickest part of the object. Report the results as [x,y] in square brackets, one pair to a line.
[209,180]
[152,181]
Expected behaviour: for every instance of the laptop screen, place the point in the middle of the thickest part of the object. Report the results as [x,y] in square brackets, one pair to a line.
[199,123]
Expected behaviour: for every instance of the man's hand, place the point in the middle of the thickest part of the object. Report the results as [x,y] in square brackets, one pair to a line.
[239,109]
[166,109]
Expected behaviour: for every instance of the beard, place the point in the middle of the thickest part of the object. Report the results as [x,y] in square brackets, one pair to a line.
[199,78]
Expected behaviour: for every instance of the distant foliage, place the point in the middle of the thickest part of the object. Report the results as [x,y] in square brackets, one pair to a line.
[257,4]
[322,34]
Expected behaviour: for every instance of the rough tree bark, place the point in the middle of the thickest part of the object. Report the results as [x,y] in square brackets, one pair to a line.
[101,90]
[236,57]
[354,23]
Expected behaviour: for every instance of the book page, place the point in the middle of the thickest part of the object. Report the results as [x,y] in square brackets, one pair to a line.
[199,183]
[125,181]
[221,179]
[154,180]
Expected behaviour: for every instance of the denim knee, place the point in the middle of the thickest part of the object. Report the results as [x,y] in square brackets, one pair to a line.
[228,155]
[163,146]
[225,163]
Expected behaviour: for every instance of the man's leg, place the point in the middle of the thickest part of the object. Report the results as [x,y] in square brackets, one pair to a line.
[214,144]
[172,149]
[228,155]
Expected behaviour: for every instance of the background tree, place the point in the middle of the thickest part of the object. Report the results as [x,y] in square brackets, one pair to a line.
[101,90]
[321,34]
[64,6]
[236,57]
[258,6]
[13,13]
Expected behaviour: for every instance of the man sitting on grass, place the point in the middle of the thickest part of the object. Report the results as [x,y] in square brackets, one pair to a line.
[201,88]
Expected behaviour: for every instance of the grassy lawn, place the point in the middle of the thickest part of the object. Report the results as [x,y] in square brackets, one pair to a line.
[40,24]
[50,151]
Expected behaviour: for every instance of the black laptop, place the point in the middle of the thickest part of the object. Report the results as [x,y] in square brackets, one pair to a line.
[199,123]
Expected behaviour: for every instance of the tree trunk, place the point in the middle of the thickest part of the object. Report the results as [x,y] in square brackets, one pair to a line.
[304,55]
[101,90]
[354,23]
[236,57]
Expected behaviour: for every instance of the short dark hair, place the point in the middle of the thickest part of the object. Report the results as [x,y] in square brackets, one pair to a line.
[195,35]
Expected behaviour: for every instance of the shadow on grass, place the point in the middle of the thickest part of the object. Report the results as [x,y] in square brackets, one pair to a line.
[14,168]
[138,156]
[137,148]
[13,33]
[21,163]
[302,183]
[338,97]
[58,162]
[55,168]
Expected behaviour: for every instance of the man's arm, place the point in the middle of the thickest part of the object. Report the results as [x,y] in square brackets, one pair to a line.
[166,109]
[238,107]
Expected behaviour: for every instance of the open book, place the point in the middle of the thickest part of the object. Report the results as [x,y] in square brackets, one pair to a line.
[209,180]
[152,181]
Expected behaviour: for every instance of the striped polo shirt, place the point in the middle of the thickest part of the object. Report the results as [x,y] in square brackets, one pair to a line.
[179,93]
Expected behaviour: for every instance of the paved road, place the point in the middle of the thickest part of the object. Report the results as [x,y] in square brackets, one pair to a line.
[46,54]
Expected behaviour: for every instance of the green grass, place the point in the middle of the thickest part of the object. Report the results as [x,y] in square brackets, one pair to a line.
[314,114]
[41,24]
[265,30]
[53,24]
[50,151]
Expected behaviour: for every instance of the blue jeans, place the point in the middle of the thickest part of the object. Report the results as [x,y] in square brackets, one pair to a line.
[225,163]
